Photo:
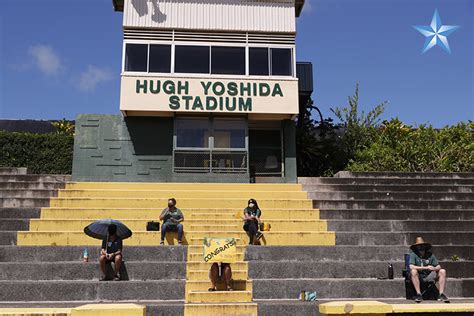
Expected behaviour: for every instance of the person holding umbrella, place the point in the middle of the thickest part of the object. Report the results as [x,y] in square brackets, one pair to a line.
[111,252]
[112,233]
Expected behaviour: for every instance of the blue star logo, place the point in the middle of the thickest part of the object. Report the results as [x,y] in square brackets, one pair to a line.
[436,33]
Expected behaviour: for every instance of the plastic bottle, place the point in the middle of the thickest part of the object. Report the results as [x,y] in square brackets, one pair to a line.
[85,256]
[390,271]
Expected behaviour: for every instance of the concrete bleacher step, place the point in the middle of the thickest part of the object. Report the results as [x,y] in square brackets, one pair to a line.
[12,202]
[389,188]
[143,238]
[397,214]
[405,175]
[15,224]
[403,238]
[203,285]
[193,225]
[392,195]
[19,213]
[134,270]
[181,194]
[348,288]
[249,309]
[34,178]
[400,225]
[28,193]
[74,253]
[8,238]
[12,170]
[350,253]
[249,187]
[219,296]
[384,181]
[31,185]
[73,290]
[237,203]
[300,269]
[393,204]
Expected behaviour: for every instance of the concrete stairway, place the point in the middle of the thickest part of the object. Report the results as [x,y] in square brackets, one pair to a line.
[376,216]
[55,241]
[21,197]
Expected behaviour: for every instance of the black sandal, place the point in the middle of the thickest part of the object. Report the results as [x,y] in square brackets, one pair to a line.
[212,289]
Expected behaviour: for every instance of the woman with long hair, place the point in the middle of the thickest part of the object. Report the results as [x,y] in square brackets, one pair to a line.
[252,215]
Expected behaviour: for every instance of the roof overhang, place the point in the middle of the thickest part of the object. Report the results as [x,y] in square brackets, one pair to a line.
[298,7]
[118,5]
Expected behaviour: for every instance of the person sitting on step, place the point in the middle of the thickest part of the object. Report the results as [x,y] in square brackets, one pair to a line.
[111,252]
[226,275]
[252,215]
[172,218]
[424,267]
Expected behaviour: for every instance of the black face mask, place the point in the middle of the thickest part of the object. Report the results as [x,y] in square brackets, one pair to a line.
[170,205]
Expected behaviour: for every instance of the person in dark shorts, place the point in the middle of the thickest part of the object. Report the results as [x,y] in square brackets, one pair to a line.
[252,215]
[172,218]
[111,253]
[225,275]
[424,267]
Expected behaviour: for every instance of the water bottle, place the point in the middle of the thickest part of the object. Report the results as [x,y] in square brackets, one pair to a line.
[390,271]
[85,256]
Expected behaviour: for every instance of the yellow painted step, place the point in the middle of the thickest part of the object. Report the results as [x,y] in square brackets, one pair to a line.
[248,309]
[198,265]
[189,213]
[181,194]
[35,311]
[153,239]
[219,296]
[189,225]
[109,310]
[182,203]
[204,285]
[184,186]
[204,274]
[288,239]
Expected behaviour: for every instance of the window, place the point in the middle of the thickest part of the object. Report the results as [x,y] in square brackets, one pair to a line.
[281,62]
[192,132]
[228,60]
[160,58]
[192,59]
[136,57]
[229,133]
[258,61]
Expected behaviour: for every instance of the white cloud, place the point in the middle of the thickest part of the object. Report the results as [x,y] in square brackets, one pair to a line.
[93,76]
[46,59]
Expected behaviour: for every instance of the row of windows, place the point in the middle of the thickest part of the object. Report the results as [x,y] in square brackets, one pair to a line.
[209,60]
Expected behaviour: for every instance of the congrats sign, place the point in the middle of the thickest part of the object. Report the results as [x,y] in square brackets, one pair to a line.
[209,95]
[219,249]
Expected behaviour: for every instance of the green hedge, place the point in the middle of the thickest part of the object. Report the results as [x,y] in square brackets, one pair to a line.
[396,147]
[40,153]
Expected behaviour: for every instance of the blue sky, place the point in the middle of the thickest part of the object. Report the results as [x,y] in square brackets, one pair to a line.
[59,58]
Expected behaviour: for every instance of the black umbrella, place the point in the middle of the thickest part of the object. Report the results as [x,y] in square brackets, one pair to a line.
[100,229]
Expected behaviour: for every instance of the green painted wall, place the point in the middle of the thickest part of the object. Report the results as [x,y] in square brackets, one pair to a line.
[114,148]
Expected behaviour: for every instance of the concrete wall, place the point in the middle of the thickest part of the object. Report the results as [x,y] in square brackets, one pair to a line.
[113,148]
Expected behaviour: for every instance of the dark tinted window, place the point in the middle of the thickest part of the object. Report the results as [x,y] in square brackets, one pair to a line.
[281,62]
[228,60]
[160,58]
[136,56]
[258,61]
[192,59]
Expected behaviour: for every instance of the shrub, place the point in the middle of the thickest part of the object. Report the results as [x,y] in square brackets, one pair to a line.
[40,153]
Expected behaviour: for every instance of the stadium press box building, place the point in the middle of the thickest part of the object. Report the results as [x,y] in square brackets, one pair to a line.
[209,93]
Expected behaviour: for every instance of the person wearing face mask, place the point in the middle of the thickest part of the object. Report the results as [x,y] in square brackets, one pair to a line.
[172,218]
[252,215]
[424,267]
